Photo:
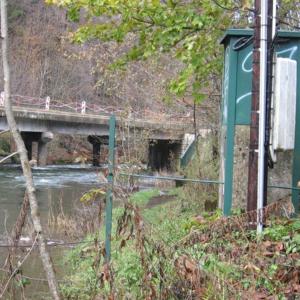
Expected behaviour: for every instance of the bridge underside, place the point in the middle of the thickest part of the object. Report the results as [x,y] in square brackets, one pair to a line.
[31,120]
[72,128]
[164,139]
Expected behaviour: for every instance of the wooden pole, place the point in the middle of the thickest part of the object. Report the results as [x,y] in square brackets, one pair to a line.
[253,147]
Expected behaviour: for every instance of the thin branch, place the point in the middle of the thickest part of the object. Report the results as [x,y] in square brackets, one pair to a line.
[18,268]
[153,23]
[31,278]
[8,156]
[5,131]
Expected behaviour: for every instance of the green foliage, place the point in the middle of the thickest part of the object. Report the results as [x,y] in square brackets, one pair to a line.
[256,265]
[128,271]
[203,221]
[15,12]
[189,30]
[283,231]
[4,147]
[23,282]
[205,165]
[233,262]
[82,283]
[92,196]
[166,223]
[276,233]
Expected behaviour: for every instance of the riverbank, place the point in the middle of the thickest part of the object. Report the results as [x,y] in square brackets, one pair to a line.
[168,251]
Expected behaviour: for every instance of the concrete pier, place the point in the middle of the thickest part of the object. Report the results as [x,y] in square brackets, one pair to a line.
[97,141]
[46,137]
[42,138]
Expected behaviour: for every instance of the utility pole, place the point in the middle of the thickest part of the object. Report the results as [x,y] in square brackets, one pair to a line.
[260,108]
[253,146]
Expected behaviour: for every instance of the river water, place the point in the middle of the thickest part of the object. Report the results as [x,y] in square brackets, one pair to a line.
[58,187]
[55,185]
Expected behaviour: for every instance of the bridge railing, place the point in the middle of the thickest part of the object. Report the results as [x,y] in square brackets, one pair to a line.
[83,107]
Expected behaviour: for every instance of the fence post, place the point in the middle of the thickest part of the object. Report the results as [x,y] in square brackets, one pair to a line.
[109,194]
[2,99]
[83,107]
[47,107]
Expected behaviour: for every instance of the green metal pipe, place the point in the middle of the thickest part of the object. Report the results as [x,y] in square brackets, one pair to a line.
[283,187]
[205,181]
[109,194]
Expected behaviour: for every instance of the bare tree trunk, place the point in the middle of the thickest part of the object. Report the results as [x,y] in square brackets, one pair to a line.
[47,264]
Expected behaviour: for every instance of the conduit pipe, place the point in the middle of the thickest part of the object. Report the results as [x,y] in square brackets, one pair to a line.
[262,111]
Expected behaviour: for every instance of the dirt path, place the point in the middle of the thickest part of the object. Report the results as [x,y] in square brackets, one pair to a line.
[161,199]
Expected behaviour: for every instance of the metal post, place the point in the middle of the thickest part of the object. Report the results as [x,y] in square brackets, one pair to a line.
[262,113]
[230,132]
[47,107]
[109,194]
[2,99]
[83,107]
[296,155]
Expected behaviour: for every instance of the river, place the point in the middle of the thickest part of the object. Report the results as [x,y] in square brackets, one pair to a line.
[58,187]
[55,184]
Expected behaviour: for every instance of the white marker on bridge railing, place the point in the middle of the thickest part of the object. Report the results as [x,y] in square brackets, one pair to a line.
[83,107]
[47,107]
[2,99]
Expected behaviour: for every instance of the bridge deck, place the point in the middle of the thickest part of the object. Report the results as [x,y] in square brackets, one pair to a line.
[39,120]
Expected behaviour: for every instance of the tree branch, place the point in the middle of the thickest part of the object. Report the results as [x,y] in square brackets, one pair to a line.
[18,268]
[5,131]
[8,156]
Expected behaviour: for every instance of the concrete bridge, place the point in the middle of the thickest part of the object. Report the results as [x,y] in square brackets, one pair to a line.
[38,123]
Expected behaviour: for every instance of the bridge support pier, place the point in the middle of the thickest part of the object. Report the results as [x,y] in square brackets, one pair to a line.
[42,138]
[42,154]
[28,146]
[29,138]
[96,141]
[46,137]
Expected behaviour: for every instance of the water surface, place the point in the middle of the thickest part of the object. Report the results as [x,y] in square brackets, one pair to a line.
[55,185]
[59,187]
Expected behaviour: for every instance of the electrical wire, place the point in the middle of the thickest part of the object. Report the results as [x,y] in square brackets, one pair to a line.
[242,43]
[226,8]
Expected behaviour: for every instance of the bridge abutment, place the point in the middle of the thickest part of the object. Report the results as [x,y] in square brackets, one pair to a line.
[164,154]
